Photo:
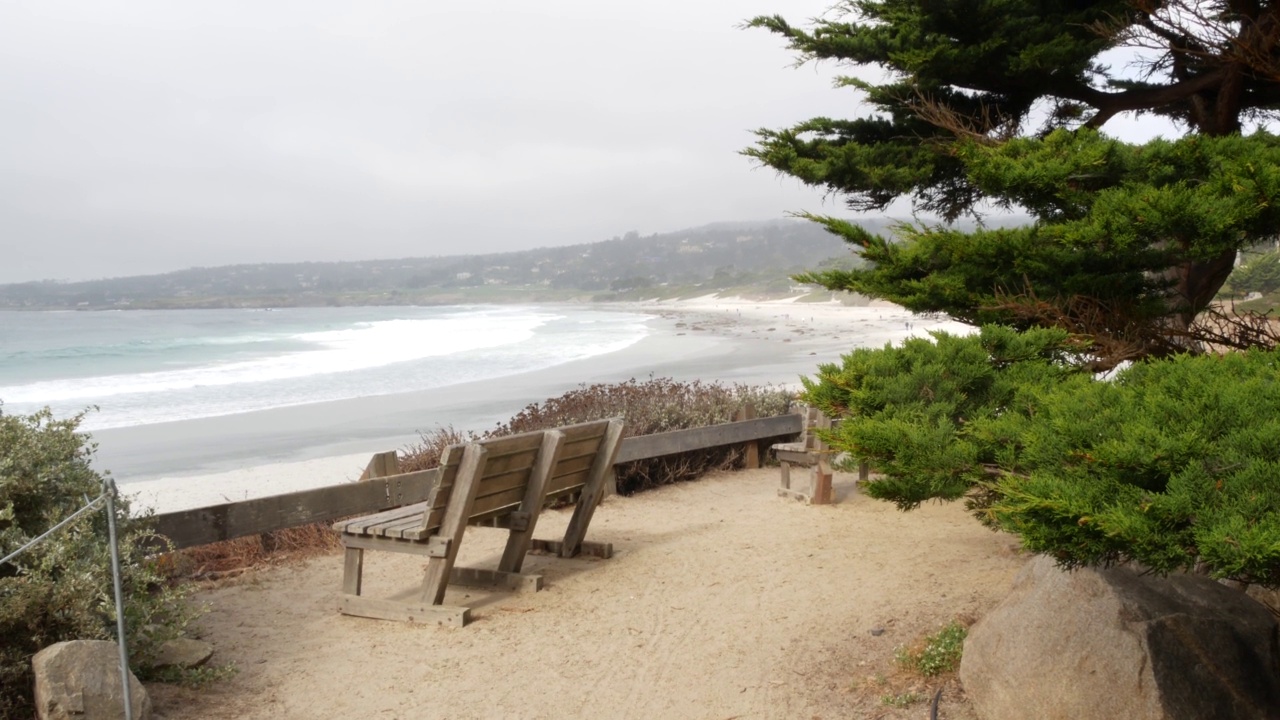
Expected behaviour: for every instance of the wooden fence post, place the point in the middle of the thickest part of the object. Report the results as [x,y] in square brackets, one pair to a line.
[383,464]
[751,460]
[822,473]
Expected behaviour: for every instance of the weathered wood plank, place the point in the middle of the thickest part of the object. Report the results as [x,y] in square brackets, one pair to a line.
[644,447]
[591,430]
[499,483]
[567,483]
[512,444]
[404,612]
[358,525]
[480,577]
[201,526]
[593,491]
[487,507]
[382,465]
[367,542]
[601,550]
[572,464]
[352,570]
[455,522]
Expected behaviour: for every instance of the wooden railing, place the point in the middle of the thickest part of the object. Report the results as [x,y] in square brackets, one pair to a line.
[200,526]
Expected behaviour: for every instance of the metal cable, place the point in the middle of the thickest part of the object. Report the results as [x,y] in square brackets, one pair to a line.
[92,505]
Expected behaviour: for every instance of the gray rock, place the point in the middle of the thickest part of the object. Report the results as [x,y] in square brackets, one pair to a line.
[80,680]
[1115,643]
[183,653]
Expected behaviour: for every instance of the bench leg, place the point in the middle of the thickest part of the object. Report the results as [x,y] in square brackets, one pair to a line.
[592,492]
[352,571]
[786,474]
[820,489]
[465,486]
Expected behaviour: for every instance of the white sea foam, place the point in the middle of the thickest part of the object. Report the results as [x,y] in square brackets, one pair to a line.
[287,363]
[365,346]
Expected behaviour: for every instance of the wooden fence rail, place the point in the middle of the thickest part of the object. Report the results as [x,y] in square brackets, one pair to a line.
[201,526]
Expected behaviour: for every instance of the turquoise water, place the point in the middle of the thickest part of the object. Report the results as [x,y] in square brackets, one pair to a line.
[148,366]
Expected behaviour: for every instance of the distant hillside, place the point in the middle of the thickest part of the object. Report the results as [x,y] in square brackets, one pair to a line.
[753,256]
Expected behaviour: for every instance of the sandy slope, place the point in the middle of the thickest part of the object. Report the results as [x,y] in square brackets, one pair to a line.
[723,601]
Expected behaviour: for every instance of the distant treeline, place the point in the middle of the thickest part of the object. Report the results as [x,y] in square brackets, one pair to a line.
[759,255]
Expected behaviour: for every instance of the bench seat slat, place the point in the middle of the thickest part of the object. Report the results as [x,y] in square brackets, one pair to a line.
[357,525]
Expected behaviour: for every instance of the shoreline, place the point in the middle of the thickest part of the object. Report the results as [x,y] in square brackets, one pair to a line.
[195,463]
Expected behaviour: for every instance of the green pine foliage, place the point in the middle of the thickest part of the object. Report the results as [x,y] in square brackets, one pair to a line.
[920,413]
[1172,463]
[61,589]
[980,58]
[1001,102]
[1112,217]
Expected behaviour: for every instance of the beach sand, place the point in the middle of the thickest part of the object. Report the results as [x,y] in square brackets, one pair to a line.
[722,601]
[194,463]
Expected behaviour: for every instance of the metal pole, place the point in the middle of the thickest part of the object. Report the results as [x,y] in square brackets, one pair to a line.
[109,489]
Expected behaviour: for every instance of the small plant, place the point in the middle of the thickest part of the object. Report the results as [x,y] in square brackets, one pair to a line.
[194,678]
[940,652]
[901,700]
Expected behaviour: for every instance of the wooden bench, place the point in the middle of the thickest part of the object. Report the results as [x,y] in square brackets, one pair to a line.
[809,451]
[504,482]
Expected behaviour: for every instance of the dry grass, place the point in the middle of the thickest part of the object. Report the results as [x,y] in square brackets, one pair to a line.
[232,557]
[425,454]
[653,406]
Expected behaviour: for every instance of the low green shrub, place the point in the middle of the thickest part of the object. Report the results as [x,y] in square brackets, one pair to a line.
[918,412]
[652,406]
[61,589]
[1171,462]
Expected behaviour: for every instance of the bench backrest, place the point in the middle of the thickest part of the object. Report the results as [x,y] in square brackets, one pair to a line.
[584,448]
[813,420]
[510,464]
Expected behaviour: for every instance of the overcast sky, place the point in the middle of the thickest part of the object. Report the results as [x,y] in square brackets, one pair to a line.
[144,136]
[139,137]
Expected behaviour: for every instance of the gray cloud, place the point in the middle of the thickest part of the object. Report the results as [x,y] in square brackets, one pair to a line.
[147,136]
[141,136]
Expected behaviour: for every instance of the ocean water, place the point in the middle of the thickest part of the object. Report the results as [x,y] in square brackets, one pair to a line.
[140,367]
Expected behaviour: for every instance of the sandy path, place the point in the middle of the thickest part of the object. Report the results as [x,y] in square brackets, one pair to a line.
[722,601]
